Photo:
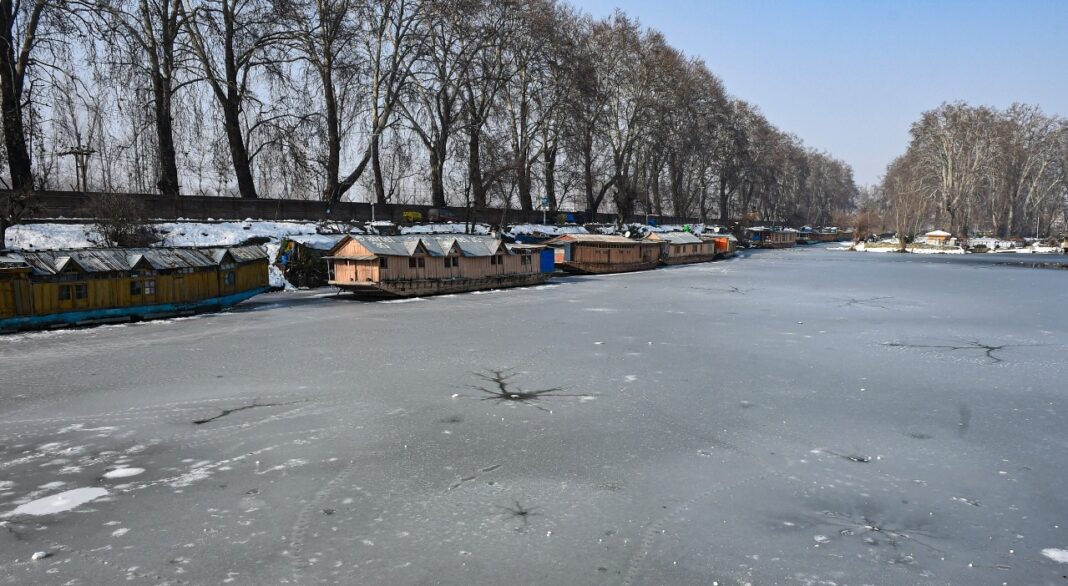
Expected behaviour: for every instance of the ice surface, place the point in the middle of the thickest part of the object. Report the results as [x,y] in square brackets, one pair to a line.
[698,433]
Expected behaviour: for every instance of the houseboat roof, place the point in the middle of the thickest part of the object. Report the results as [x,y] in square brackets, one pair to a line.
[432,244]
[317,241]
[938,233]
[675,237]
[109,260]
[715,235]
[605,238]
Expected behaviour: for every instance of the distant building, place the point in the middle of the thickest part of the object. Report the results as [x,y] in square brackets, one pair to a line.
[938,237]
[48,288]
[409,266]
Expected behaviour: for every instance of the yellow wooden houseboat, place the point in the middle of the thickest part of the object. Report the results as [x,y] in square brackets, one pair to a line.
[56,288]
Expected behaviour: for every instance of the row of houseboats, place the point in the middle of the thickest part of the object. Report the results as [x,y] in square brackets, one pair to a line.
[408,266]
[57,288]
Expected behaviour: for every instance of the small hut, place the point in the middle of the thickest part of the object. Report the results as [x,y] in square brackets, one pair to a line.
[938,237]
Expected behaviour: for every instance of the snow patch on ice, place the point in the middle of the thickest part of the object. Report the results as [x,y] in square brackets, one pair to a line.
[120,532]
[60,502]
[123,472]
[1057,555]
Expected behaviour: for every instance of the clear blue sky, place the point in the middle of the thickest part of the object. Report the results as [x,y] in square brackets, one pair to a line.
[850,76]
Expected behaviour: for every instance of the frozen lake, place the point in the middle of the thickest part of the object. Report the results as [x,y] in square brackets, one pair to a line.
[793,417]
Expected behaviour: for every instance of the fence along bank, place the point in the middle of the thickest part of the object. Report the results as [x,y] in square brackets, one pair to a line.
[41,289]
[409,266]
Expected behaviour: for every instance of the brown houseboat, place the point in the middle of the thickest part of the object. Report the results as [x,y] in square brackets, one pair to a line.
[682,248]
[383,267]
[595,253]
[762,237]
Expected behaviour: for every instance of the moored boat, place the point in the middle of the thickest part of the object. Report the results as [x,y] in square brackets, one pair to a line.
[597,254]
[384,267]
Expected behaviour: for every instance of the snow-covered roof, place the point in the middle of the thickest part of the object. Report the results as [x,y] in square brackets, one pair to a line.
[938,233]
[316,241]
[605,238]
[547,230]
[432,244]
[111,260]
[676,237]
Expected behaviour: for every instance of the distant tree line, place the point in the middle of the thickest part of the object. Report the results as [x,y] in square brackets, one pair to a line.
[975,170]
[513,103]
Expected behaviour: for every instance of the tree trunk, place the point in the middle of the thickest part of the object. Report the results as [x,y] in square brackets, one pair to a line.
[526,202]
[333,137]
[587,176]
[474,170]
[724,202]
[18,154]
[549,168]
[168,156]
[376,168]
[238,152]
[437,173]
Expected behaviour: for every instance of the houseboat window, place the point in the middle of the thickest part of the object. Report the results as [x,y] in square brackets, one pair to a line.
[150,286]
[81,291]
[383,263]
[455,261]
[525,259]
[493,260]
[411,263]
[135,287]
[331,272]
[422,262]
[64,292]
[500,259]
[448,262]
[229,279]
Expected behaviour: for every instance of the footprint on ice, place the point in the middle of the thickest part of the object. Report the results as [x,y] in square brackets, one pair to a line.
[59,502]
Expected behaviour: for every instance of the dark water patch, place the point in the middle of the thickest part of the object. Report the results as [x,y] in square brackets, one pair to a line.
[989,350]
[226,412]
[920,436]
[520,513]
[872,302]
[506,392]
[964,421]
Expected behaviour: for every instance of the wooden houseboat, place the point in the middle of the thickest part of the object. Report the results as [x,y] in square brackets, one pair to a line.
[57,288]
[383,267]
[726,245]
[595,253]
[682,248]
[763,237]
[825,235]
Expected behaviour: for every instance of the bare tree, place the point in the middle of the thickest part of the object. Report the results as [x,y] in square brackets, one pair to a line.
[232,40]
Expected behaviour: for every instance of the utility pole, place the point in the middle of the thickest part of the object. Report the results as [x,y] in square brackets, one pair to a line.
[81,165]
